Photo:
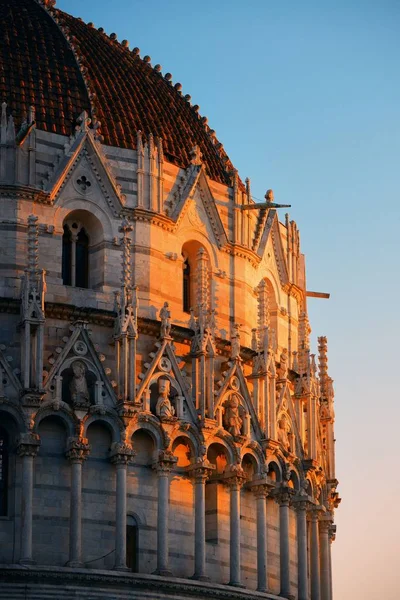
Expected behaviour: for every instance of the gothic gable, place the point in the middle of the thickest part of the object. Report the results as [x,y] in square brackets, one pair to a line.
[77,376]
[234,383]
[271,236]
[164,366]
[84,170]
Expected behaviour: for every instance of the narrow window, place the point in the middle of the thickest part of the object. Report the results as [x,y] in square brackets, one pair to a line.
[132,545]
[3,472]
[66,256]
[186,286]
[82,260]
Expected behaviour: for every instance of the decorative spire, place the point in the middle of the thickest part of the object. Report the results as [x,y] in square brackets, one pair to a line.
[202,275]
[33,245]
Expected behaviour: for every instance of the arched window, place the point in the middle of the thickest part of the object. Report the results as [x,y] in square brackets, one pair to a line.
[132,544]
[4,451]
[75,256]
[196,280]
[186,286]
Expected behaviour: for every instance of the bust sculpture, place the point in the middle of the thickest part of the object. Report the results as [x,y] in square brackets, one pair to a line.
[164,408]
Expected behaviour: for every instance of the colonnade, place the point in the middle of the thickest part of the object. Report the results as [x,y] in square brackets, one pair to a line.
[321,529]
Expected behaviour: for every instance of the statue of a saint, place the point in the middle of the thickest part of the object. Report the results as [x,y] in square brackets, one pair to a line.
[235,342]
[78,386]
[232,419]
[283,367]
[165,316]
[164,408]
[283,433]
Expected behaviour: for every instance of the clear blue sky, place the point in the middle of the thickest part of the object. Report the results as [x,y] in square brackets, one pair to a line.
[305,97]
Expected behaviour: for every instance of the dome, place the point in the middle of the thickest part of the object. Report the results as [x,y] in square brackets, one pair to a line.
[62,66]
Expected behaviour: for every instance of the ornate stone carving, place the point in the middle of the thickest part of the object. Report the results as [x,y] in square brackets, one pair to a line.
[166,462]
[77,449]
[28,444]
[121,453]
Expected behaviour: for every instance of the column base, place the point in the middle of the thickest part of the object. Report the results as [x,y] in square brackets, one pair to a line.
[200,577]
[27,562]
[163,573]
[122,568]
[287,596]
[74,564]
[236,584]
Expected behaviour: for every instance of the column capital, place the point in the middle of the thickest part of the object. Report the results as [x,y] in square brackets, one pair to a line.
[261,487]
[121,453]
[78,449]
[314,512]
[166,462]
[28,444]
[283,495]
[235,477]
[201,471]
[324,526]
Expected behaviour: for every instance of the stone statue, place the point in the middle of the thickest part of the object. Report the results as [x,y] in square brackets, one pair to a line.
[232,419]
[164,408]
[78,386]
[165,316]
[235,342]
[283,367]
[283,433]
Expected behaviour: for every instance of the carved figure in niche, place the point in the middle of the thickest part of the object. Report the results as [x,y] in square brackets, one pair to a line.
[283,367]
[165,316]
[283,433]
[78,386]
[235,342]
[232,419]
[164,408]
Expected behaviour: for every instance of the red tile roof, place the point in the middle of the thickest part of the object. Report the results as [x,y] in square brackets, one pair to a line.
[39,66]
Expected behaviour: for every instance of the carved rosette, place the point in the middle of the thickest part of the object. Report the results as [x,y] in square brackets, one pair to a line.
[77,449]
[28,444]
[121,454]
[166,462]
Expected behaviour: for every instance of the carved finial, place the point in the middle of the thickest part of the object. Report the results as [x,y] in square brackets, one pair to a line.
[195,156]
[83,122]
[248,190]
[269,196]
[323,365]
[139,143]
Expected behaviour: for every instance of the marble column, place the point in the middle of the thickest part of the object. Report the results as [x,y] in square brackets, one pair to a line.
[77,451]
[121,455]
[332,536]
[315,574]
[302,570]
[200,473]
[260,491]
[27,449]
[284,500]
[235,481]
[324,560]
[163,467]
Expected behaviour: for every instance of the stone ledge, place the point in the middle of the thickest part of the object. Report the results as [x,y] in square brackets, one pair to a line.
[35,583]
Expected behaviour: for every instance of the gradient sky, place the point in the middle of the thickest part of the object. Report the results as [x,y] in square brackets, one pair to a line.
[305,97]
